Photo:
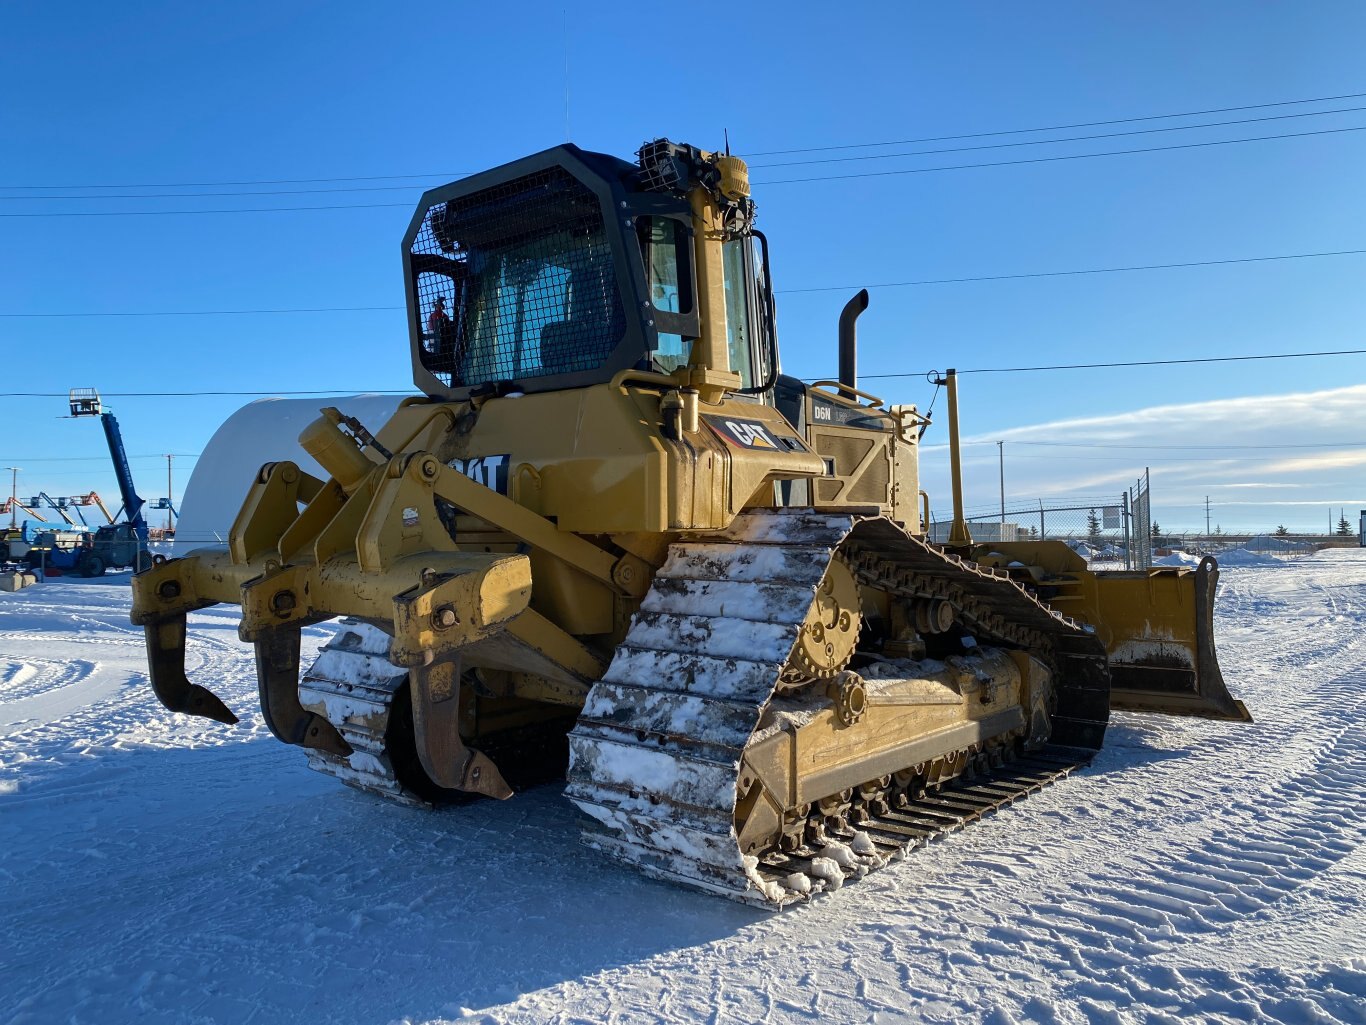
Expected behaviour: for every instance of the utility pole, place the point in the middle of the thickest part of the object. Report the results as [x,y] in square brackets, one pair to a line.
[1001,452]
[13,495]
[169,457]
[1207,515]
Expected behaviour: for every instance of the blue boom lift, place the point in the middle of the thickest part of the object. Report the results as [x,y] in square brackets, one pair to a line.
[122,544]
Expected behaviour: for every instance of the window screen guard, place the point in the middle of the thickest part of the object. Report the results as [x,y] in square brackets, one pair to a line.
[516,281]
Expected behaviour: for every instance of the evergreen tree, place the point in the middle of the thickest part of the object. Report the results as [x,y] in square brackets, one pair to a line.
[1093,527]
[1156,532]
[1344,528]
[1282,531]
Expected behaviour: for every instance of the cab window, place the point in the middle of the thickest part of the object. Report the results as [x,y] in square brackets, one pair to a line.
[662,242]
[739,282]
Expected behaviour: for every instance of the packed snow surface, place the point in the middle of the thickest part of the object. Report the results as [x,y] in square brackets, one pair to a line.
[1185,559]
[1246,557]
[157,868]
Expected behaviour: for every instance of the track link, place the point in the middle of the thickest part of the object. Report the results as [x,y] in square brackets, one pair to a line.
[944,808]
[353,685]
[655,755]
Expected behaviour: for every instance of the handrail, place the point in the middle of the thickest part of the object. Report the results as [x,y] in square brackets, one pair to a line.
[848,390]
[643,377]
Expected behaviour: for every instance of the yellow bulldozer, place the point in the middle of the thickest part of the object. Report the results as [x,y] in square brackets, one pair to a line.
[610,542]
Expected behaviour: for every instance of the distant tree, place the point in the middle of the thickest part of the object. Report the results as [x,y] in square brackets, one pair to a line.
[1156,532]
[1344,528]
[1282,531]
[1033,531]
[1093,527]
[1218,530]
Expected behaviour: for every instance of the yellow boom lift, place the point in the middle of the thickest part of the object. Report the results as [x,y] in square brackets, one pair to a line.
[610,540]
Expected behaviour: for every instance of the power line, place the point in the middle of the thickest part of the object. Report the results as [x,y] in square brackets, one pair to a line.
[1069,273]
[204,394]
[212,313]
[232,210]
[1054,128]
[99,459]
[1177,448]
[777,181]
[448,175]
[780,291]
[1136,363]
[984,370]
[215,195]
[1031,142]
[436,180]
[1048,160]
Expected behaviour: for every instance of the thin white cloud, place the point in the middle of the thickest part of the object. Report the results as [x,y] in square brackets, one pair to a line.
[1226,450]
[1261,415]
[1325,461]
[1280,485]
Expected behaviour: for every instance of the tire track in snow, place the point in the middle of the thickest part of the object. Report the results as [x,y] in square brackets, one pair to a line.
[94,694]
[1269,843]
[51,692]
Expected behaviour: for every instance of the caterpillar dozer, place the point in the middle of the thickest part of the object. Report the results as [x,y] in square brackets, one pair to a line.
[609,541]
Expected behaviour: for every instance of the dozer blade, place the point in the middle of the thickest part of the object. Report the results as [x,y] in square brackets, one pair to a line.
[1158,628]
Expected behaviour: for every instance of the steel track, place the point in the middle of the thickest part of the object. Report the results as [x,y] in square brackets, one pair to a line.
[942,809]
[656,752]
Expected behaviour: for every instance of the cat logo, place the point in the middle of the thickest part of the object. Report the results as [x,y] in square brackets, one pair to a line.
[490,471]
[746,433]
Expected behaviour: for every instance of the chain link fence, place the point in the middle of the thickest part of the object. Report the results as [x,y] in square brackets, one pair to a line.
[1109,531]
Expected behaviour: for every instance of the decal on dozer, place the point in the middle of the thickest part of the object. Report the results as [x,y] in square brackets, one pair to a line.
[490,471]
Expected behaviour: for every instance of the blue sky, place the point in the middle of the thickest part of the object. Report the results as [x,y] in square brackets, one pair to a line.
[159,93]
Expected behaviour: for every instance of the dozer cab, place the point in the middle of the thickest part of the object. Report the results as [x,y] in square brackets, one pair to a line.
[609,540]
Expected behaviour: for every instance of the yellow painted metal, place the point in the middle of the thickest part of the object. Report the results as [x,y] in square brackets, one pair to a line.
[709,369]
[583,466]
[905,497]
[595,460]
[334,451]
[831,628]
[904,722]
[959,536]
[734,177]
[1157,625]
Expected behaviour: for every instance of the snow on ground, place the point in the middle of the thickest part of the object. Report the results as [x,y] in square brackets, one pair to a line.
[155,868]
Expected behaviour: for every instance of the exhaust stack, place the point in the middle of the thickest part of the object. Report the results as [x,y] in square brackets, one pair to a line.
[849,338]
